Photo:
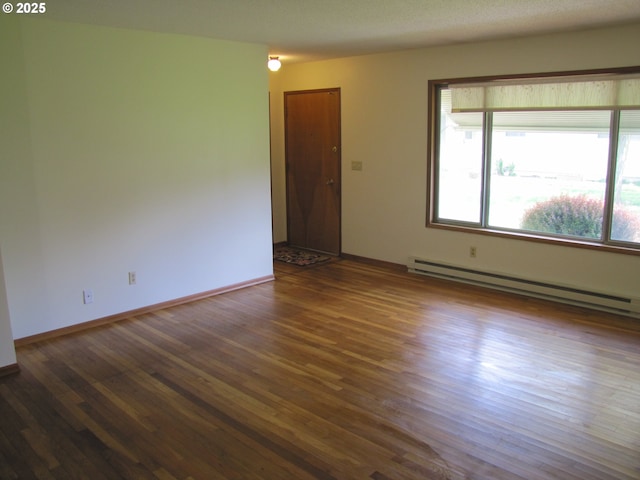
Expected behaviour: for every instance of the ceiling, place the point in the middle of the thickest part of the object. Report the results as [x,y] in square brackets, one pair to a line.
[306,30]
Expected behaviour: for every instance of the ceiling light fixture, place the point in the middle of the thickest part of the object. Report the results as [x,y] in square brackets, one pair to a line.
[274,64]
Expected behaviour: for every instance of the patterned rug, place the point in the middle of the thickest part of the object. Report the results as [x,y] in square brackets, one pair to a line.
[299,257]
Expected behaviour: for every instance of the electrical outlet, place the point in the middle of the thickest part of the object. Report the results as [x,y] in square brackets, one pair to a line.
[473,252]
[132,278]
[87,296]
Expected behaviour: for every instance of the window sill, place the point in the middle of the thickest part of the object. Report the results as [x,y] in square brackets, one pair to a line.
[564,242]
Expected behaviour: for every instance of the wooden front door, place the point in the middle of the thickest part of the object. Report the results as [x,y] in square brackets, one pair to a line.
[312,142]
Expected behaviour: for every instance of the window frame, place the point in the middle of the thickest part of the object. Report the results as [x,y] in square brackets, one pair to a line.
[433,130]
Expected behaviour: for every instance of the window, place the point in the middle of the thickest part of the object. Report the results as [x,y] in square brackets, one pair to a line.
[552,158]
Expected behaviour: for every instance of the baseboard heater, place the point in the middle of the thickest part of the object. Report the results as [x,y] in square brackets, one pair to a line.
[565,294]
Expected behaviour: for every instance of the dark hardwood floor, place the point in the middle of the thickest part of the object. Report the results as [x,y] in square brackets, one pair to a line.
[340,371]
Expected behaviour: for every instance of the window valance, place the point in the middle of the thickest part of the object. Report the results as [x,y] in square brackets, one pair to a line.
[588,92]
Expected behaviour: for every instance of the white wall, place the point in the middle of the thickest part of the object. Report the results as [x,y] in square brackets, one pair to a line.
[7,350]
[18,233]
[129,151]
[384,125]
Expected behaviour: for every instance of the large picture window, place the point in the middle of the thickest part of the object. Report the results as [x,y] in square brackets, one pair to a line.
[553,158]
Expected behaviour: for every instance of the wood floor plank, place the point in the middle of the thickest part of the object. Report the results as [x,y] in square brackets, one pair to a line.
[347,370]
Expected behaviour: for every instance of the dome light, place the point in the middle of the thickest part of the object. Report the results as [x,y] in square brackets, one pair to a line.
[274,64]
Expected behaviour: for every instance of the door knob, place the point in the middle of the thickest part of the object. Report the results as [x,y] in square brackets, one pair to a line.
[334,149]
[330,181]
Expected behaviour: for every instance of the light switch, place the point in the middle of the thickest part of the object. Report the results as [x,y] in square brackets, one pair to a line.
[357,166]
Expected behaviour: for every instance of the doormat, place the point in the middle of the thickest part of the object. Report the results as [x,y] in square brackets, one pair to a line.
[298,257]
